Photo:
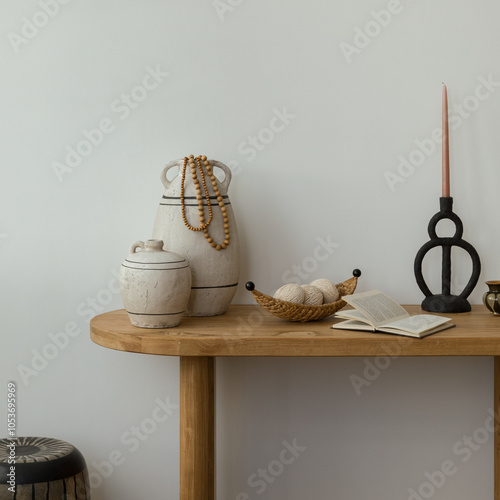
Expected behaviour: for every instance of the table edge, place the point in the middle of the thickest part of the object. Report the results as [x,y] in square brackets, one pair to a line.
[187,344]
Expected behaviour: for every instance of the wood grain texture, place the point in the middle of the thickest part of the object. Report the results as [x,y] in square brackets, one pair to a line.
[248,330]
[496,408]
[197,427]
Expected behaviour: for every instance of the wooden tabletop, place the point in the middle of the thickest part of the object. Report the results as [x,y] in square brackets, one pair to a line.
[248,330]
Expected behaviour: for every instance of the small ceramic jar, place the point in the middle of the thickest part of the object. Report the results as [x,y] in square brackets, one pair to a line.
[154,285]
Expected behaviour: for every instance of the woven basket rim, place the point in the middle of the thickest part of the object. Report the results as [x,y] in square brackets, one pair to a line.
[301,312]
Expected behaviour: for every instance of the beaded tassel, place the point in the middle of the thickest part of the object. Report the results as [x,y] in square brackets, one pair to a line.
[194,163]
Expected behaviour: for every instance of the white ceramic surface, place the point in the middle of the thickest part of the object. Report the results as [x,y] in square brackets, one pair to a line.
[154,285]
[215,273]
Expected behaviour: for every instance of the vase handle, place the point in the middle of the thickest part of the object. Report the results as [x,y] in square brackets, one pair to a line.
[226,170]
[168,166]
[136,245]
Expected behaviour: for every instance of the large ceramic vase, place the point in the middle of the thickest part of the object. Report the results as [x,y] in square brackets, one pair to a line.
[215,273]
[154,285]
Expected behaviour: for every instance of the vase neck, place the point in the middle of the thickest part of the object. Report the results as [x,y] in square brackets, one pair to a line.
[153,246]
[494,286]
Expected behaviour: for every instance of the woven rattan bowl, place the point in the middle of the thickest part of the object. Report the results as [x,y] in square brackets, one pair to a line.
[300,312]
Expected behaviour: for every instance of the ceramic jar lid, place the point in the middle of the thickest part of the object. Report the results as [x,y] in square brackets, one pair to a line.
[152,253]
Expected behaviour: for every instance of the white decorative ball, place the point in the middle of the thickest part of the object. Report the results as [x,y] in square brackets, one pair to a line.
[314,296]
[329,290]
[291,293]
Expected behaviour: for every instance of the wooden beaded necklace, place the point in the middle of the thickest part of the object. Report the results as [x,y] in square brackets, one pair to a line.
[193,164]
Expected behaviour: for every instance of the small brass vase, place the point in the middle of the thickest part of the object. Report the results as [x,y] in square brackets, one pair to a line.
[490,298]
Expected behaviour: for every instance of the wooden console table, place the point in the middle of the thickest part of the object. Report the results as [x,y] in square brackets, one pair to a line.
[249,331]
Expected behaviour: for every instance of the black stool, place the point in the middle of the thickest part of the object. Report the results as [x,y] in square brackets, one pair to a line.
[43,469]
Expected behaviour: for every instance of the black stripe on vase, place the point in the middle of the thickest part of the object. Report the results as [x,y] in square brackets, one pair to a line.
[209,287]
[155,314]
[173,262]
[153,268]
[194,202]
[190,204]
[225,196]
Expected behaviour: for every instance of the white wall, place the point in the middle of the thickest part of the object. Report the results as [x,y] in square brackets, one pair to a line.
[231,64]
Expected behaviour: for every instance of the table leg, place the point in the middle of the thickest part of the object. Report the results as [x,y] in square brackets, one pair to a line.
[197,424]
[496,409]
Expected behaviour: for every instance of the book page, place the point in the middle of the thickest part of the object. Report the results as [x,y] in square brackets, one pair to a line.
[421,335]
[418,324]
[351,314]
[377,307]
[352,324]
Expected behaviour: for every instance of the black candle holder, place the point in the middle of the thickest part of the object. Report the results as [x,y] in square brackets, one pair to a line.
[445,302]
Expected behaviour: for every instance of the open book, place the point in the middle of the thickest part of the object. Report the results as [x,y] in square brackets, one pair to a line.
[375,311]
